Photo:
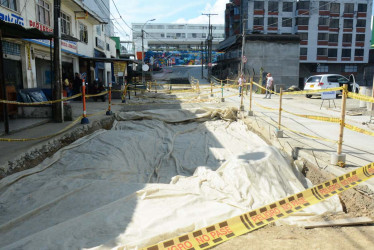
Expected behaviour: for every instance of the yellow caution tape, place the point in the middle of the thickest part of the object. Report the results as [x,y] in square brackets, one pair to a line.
[305,92]
[307,135]
[361,97]
[40,103]
[359,130]
[318,118]
[258,85]
[99,94]
[257,104]
[213,235]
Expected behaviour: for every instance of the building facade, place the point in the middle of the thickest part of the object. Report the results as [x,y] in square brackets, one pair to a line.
[28,61]
[335,35]
[172,37]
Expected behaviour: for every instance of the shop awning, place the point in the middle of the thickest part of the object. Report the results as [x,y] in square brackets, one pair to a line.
[110,60]
[12,30]
[63,37]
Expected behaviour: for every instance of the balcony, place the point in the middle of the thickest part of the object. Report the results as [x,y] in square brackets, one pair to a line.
[259,12]
[324,12]
[349,15]
[322,42]
[346,59]
[302,27]
[303,12]
[273,13]
[322,58]
[361,14]
[359,58]
[360,44]
[258,27]
[323,27]
[303,58]
[360,30]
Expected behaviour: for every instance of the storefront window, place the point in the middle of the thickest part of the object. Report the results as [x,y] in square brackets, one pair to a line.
[43,12]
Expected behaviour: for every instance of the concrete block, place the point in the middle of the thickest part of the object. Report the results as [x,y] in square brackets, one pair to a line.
[250,113]
[336,158]
[222,99]
[279,133]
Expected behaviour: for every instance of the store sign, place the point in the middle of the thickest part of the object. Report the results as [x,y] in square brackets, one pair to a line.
[12,18]
[40,26]
[67,45]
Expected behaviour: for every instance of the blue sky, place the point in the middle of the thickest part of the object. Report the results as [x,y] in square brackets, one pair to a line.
[166,11]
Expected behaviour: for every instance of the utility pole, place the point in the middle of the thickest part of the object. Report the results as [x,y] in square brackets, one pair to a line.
[142,56]
[57,108]
[210,42]
[243,44]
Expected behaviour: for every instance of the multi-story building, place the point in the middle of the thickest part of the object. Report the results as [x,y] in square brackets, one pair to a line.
[171,36]
[28,61]
[335,35]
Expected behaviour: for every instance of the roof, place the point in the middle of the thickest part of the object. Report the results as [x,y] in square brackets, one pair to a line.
[85,8]
[236,39]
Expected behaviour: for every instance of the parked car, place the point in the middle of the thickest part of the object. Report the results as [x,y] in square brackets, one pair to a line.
[326,81]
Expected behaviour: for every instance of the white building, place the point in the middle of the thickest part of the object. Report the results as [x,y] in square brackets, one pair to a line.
[171,36]
[28,61]
[335,35]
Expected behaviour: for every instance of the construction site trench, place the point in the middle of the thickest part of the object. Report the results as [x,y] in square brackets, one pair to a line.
[157,171]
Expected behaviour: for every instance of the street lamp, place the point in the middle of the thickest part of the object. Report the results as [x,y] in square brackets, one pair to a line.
[150,20]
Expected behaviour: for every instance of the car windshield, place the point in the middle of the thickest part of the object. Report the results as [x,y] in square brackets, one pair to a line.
[343,80]
[314,79]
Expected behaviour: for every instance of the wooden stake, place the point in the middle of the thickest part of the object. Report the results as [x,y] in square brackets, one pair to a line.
[250,94]
[280,109]
[342,120]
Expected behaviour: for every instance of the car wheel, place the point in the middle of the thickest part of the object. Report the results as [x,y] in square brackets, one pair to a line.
[308,96]
[356,90]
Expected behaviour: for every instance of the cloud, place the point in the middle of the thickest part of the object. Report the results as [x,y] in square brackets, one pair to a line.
[217,8]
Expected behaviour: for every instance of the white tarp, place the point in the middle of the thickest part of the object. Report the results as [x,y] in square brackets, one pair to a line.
[155,175]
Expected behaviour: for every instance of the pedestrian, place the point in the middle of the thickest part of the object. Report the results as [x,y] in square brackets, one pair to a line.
[77,84]
[240,82]
[67,87]
[269,85]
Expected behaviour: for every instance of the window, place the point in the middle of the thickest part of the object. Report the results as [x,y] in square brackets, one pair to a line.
[287,6]
[258,21]
[359,52]
[11,4]
[43,12]
[360,38]
[236,11]
[323,21]
[303,5]
[194,35]
[334,23]
[303,51]
[324,5]
[303,36]
[321,52]
[362,7]
[259,5]
[272,22]
[65,24]
[302,21]
[83,35]
[348,23]
[335,7]
[349,8]
[350,68]
[107,47]
[333,38]
[333,78]
[273,6]
[333,53]
[286,22]
[361,23]
[98,30]
[347,38]
[322,68]
[346,53]
[323,36]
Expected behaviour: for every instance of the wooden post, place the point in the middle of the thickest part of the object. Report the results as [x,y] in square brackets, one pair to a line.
[211,88]
[342,119]
[280,109]
[222,99]
[250,112]
[155,86]
[241,95]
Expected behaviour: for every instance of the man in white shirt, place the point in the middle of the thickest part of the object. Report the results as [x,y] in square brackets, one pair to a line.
[269,84]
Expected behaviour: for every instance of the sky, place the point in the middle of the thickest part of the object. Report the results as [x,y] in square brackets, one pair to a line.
[165,11]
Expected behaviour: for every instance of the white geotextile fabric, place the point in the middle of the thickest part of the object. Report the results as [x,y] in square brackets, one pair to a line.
[146,180]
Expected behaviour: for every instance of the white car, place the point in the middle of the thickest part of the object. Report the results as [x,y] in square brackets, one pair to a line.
[327,81]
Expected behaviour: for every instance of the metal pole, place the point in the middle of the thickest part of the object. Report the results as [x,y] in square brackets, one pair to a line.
[109,111]
[57,110]
[280,109]
[202,60]
[3,88]
[342,122]
[241,95]
[84,119]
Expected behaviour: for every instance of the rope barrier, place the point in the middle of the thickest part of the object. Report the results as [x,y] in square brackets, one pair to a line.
[40,103]
[361,97]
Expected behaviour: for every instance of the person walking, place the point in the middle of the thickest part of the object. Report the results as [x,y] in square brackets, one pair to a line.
[240,82]
[269,85]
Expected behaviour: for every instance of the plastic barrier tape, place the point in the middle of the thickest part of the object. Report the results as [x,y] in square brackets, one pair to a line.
[213,235]
[311,91]
[361,97]
[257,104]
[313,117]
[359,130]
[99,94]
[40,103]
